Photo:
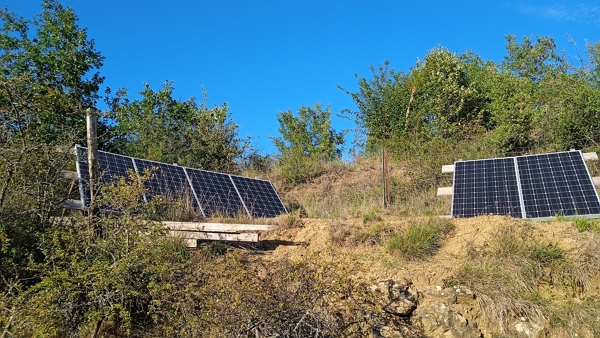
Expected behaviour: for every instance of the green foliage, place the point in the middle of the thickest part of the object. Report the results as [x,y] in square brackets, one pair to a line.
[437,99]
[586,224]
[161,128]
[306,142]
[421,240]
[533,60]
[60,62]
[371,216]
[99,273]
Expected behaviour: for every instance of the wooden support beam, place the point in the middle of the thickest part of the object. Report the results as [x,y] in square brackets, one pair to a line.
[217,227]
[72,175]
[445,191]
[73,204]
[215,236]
[448,168]
[190,242]
[65,150]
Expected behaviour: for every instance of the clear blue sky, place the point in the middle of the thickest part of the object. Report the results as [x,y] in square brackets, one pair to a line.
[262,57]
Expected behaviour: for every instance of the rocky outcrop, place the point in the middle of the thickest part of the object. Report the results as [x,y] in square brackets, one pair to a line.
[446,312]
[431,312]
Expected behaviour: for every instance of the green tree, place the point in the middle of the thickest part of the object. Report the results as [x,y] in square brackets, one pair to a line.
[59,59]
[161,128]
[381,102]
[533,60]
[307,140]
[437,99]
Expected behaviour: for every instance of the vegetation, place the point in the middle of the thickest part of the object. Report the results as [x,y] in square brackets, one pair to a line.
[511,277]
[420,241]
[70,274]
[162,129]
[306,142]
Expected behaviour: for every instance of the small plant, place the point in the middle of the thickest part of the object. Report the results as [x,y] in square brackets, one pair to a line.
[290,221]
[419,241]
[450,282]
[586,224]
[373,234]
[546,253]
[371,216]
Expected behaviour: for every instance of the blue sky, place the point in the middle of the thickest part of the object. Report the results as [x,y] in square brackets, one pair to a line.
[263,57]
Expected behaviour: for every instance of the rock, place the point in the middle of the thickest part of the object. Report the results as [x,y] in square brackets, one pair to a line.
[525,328]
[396,297]
[438,316]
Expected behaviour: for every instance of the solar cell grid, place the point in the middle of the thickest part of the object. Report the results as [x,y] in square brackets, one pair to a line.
[210,192]
[557,184]
[260,197]
[216,193]
[168,181]
[109,166]
[484,187]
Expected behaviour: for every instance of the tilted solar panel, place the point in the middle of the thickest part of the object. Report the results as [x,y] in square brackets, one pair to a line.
[216,193]
[557,184]
[534,186]
[168,181]
[260,197]
[483,187]
[209,192]
[109,166]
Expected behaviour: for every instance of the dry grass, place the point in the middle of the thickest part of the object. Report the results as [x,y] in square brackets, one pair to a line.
[520,275]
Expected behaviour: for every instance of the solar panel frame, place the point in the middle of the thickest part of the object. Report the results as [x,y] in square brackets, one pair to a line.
[216,193]
[185,177]
[557,184]
[500,193]
[557,179]
[270,205]
[168,180]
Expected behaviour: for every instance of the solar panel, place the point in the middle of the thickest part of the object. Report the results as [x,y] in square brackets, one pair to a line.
[209,192]
[216,193]
[533,186]
[109,166]
[485,187]
[557,184]
[168,181]
[260,197]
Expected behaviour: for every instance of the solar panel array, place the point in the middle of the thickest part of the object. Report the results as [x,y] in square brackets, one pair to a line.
[533,186]
[207,192]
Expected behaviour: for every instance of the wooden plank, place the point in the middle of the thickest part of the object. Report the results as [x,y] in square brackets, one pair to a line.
[72,175]
[445,191]
[596,181]
[215,236]
[73,204]
[65,149]
[190,242]
[449,168]
[217,227]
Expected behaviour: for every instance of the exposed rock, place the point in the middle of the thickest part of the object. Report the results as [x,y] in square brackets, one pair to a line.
[397,297]
[525,328]
[439,313]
